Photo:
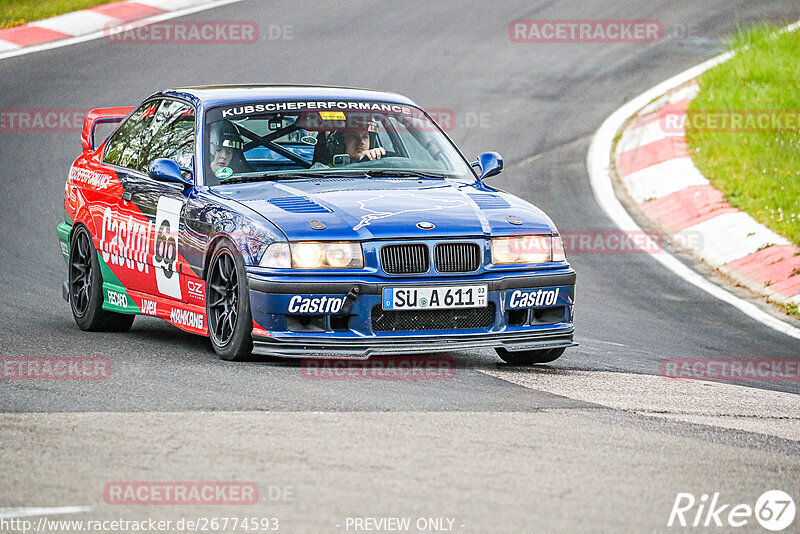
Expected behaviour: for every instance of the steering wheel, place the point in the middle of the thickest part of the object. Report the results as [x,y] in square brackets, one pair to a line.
[389,154]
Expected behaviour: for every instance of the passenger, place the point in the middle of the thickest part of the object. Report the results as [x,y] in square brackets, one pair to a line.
[226,146]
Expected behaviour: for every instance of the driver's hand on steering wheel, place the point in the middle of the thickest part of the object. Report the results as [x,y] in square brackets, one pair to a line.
[373,153]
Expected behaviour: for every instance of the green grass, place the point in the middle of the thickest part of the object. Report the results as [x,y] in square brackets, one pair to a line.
[758,172]
[16,12]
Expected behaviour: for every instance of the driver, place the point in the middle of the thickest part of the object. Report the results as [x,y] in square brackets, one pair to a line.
[357,141]
[353,138]
[225,144]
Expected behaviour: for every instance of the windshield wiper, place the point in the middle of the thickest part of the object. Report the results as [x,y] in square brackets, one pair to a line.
[274,176]
[381,173]
[296,174]
[371,173]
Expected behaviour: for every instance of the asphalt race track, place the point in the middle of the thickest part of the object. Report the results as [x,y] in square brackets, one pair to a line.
[557,448]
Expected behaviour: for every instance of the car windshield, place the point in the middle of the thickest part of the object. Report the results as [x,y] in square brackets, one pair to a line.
[283,140]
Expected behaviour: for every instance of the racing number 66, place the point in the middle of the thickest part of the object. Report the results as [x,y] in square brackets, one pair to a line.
[166,246]
[166,249]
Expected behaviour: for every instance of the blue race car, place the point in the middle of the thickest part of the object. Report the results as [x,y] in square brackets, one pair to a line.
[307,221]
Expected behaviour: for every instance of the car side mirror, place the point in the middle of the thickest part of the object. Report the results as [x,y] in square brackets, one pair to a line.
[167,170]
[491,163]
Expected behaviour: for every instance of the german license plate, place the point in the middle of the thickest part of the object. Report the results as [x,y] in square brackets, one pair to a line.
[434,298]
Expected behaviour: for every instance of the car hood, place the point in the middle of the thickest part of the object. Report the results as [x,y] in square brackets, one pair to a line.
[372,208]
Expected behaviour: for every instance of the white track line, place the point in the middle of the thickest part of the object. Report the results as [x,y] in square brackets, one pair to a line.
[598,162]
[9,513]
[101,33]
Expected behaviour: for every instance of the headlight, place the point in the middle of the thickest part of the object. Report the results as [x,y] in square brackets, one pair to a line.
[559,254]
[277,256]
[306,255]
[313,255]
[527,249]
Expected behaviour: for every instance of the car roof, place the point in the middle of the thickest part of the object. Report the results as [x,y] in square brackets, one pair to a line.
[212,95]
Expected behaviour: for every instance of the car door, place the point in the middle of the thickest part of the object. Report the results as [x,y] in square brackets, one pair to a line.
[169,135]
[124,233]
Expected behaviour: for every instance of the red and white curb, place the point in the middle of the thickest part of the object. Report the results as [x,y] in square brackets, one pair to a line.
[708,215]
[659,175]
[88,24]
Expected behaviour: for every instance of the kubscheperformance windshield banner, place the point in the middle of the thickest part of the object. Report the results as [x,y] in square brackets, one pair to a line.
[236,111]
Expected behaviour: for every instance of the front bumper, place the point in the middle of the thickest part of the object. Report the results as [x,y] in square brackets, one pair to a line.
[280,329]
[337,348]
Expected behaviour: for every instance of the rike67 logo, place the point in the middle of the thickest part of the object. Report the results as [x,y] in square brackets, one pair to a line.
[774,510]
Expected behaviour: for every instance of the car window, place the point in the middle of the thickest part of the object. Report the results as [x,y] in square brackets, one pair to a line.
[265,140]
[412,145]
[125,146]
[384,140]
[171,134]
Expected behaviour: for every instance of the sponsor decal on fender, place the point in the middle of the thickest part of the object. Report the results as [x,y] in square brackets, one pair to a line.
[533,298]
[117,299]
[149,307]
[324,304]
[196,289]
[89,178]
[186,318]
[125,243]
[166,247]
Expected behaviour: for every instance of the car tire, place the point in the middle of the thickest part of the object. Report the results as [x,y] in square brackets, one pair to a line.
[228,305]
[529,357]
[86,288]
